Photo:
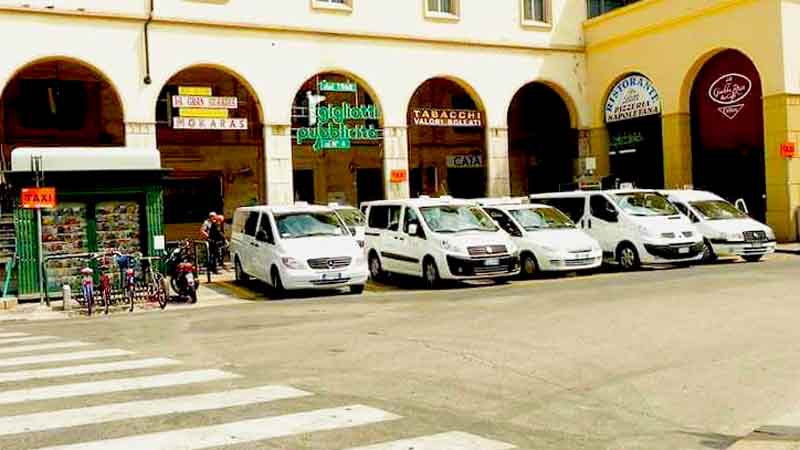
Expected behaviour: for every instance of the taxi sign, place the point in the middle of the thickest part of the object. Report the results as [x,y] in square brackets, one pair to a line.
[398,176]
[42,197]
[788,149]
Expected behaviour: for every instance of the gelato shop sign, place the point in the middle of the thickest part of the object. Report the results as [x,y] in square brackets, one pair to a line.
[333,129]
[633,97]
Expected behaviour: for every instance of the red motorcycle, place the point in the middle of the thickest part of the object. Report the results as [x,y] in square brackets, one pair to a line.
[183,273]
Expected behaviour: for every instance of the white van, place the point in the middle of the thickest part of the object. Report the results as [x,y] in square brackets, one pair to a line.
[436,239]
[296,247]
[727,230]
[633,226]
[354,219]
[547,239]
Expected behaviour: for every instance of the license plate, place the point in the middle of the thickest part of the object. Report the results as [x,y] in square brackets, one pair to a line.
[492,262]
[331,276]
[190,279]
[683,250]
[582,256]
[756,245]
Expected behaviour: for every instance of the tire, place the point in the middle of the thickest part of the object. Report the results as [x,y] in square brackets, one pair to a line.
[708,253]
[752,258]
[376,272]
[529,266]
[159,291]
[192,296]
[106,300]
[277,285]
[430,273]
[89,303]
[131,293]
[240,274]
[628,257]
[357,289]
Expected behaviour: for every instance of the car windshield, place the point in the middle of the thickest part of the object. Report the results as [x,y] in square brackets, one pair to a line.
[645,204]
[533,219]
[352,217]
[308,224]
[457,219]
[717,210]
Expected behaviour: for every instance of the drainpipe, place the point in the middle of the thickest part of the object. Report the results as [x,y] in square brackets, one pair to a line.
[147,79]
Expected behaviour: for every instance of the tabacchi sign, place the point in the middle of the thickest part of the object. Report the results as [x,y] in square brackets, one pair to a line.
[730,91]
[633,97]
[431,117]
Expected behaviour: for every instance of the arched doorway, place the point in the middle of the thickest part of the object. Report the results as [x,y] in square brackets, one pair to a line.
[210,134]
[633,119]
[728,130]
[446,141]
[337,141]
[542,145]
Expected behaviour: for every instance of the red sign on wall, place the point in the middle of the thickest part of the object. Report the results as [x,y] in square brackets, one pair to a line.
[398,176]
[788,149]
[33,198]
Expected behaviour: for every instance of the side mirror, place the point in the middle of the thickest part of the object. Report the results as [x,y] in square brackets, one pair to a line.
[413,229]
[742,206]
[261,236]
[612,214]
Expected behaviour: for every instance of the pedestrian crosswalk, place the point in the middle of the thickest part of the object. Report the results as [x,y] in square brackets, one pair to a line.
[52,369]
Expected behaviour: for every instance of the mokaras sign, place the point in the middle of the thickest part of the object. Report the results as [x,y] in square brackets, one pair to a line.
[633,97]
[433,117]
[333,131]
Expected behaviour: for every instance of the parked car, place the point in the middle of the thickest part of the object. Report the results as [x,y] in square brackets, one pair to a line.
[355,220]
[437,238]
[547,239]
[726,230]
[634,226]
[296,247]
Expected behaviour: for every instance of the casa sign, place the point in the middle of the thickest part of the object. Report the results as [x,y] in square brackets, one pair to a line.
[464,161]
[730,91]
[633,97]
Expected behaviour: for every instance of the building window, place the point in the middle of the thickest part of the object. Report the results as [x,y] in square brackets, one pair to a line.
[333,5]
[442,9]
[535,12]
[599,7]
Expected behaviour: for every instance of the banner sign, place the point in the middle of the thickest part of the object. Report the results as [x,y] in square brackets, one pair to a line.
[433,117]
[730,91]
[206,113]
[42,197]
[197,101]
[332,131]
[189,123]
[337,86]
[465,161]
[633,97]
[194,90]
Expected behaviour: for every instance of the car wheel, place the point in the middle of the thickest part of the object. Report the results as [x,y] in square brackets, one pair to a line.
[240,274]
[430,273]
[277,285]
[357,289]
[375,268]
[628,257]
[708,252]
[529,265]
[753,258]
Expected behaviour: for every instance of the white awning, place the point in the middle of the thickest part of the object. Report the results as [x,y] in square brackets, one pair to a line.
[82,159]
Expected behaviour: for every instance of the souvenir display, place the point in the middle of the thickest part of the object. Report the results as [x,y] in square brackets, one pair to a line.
[118,226]
[64,232]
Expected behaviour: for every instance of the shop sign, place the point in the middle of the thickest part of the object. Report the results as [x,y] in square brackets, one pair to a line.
[433,117]
[730,91]
[189,123]
[41,197]
[332,131]
[337,86]
[194,90]
[788,150]
[465,161]
[398,176]
[209,102]
[626,139]
[207,113]
[633,97]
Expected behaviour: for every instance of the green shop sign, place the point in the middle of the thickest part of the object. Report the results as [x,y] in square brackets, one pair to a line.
[337,86]
[332,131]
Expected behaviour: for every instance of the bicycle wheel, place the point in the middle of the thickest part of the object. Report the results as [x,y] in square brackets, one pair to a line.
[159,292]
[106,299]
[131,297]
[89,300]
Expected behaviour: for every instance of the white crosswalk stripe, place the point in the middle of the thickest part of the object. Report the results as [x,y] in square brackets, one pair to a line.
[8,335]
[119,366]
[454,440]
[37,347]
[244,431]
[115,385]
[62,357]
[147,408]
[18,340]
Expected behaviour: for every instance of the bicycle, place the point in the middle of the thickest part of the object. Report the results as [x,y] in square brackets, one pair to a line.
[154,281]
[87,287]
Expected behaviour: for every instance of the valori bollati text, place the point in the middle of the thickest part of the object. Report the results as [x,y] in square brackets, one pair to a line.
[332,131]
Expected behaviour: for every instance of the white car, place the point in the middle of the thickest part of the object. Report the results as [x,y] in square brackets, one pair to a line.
[296,247]
[437,238]
[355,220]
[633,226]
[548,240]
[727,230]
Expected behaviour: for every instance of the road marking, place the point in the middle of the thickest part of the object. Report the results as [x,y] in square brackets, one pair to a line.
[51,346]
[26,339]
[6,377]
[455,440]
[147,408]
[116,385]
[62,357]
[8,335]
[244,431]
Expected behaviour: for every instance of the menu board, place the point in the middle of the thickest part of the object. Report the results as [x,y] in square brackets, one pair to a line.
[64,231]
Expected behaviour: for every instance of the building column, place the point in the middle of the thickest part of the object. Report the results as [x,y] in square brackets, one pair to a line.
[278,159]
[395,157]
[782,124]
[140,134]
[598,148]
[676,135]
[498,183]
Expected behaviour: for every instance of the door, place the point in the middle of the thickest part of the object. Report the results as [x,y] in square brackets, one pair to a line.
[249,245]
[264,255]
[466,183]
[304,185]
[370,185]
[603,223]
[384,222]
[414,244]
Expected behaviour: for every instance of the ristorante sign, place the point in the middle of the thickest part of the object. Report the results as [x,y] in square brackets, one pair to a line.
[434,117]
[633,97]
[332,129]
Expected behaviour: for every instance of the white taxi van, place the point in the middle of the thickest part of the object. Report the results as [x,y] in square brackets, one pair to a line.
[547,239]
[296,247]
[353,218]
[437,238]
[633,226]
[727,231]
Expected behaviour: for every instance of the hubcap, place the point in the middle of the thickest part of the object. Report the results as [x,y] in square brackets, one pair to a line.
[530,266]
[431,273]
[374,267]
[627,257]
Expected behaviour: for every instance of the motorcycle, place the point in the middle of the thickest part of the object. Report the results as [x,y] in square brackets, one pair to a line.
[182,273]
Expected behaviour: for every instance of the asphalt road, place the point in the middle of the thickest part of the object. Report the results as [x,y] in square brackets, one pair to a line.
[660,359]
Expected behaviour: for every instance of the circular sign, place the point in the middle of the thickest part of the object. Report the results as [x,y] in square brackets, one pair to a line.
[632,97]
[730,88]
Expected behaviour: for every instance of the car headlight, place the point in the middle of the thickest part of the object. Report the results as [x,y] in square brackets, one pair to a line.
[770,234]
[512,248]
[732,237]
[360,260]
[646,232]
[451,247]
[293,263]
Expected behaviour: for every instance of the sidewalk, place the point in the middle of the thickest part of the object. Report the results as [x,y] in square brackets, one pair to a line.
[791,248]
